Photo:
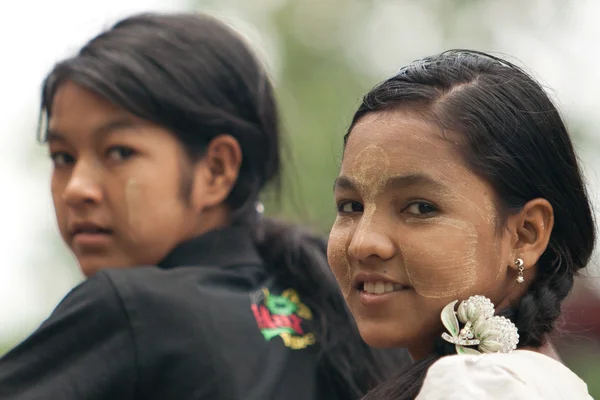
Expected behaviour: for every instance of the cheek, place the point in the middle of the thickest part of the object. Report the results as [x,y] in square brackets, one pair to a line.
[442,260]
[57,189]
[152,212]
[133,204]
[337,254]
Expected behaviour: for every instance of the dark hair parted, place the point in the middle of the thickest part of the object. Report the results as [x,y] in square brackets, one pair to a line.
[195,76]
[513,137]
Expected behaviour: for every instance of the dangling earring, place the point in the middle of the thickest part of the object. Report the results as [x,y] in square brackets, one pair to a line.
[519,265]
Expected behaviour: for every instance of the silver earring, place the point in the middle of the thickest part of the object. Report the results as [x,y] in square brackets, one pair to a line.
[519,265]
[259,207]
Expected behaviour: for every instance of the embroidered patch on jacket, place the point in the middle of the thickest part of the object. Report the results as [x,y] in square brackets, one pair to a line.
[282,315]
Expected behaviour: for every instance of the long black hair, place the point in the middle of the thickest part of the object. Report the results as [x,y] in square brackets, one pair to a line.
[195,76]
[513,137]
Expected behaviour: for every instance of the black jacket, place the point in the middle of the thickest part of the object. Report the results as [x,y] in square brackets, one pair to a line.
[207,323]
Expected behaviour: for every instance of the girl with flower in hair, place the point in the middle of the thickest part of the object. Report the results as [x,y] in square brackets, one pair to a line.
[462,221]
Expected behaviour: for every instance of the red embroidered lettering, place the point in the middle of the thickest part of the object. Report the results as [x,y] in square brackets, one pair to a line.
[257,316]
[282,321]
[266,318]
[295,322]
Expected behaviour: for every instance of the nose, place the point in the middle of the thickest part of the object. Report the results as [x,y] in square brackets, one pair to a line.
[371,241]
[83,186]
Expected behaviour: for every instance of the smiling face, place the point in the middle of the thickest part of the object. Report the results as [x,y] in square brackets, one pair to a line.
[116,183]
[415,230]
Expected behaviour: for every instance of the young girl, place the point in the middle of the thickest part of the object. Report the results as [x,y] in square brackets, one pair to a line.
[462,220]
[163,131]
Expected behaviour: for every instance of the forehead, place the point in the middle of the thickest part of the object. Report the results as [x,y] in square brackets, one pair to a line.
[73,102]
[401,142]
[79,116]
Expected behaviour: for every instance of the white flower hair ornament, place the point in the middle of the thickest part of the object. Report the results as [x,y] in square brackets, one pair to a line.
[491,334]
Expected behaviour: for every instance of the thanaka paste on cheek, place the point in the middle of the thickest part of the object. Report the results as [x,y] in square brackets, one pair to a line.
[486,209]
[442,271]
[502,267]
[337,253]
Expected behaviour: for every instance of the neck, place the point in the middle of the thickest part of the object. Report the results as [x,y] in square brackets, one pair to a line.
[211,219]
[421,349]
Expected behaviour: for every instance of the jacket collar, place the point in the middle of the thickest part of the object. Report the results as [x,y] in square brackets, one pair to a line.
[224,247]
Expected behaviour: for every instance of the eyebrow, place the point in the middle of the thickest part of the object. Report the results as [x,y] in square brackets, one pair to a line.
[395,182]
[124,122]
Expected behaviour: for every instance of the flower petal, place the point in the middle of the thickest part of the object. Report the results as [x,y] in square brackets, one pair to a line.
[470,308]
[490,334]
[490,346]
[477,326]
[449,319]
[462,312]
[480,327]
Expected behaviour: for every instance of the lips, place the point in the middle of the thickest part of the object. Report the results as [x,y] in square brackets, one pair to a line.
[88,228]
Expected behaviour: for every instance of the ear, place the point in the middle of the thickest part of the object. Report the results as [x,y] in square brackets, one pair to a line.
[217,171]
[533,226]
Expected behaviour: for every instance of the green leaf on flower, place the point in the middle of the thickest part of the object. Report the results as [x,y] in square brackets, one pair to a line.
[449,319]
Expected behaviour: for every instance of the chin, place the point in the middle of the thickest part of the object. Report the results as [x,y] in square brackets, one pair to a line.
[91,265]
[382,337]
[88,269]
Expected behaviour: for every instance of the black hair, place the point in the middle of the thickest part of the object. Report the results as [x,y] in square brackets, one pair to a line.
[512,136]
[195,76]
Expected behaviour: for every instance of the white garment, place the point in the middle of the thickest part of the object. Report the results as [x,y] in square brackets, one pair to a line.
[520,375]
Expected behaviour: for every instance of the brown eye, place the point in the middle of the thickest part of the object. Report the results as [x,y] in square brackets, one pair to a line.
[120,153]
[348,207]
[421,208]
[61,159]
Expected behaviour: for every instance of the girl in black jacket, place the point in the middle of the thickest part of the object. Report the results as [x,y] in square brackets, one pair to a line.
[163,131]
